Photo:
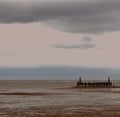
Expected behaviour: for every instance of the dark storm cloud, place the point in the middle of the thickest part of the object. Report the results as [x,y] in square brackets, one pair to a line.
[93,16]
[81,46]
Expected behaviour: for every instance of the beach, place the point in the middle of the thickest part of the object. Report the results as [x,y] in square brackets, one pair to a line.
[56,98]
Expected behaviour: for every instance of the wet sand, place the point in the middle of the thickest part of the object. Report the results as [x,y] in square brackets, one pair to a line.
[57,99]
[64,111]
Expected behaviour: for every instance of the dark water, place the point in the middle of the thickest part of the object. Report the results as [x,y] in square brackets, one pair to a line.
[53,93]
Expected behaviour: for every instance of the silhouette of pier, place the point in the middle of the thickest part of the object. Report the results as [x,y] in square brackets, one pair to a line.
[96,84]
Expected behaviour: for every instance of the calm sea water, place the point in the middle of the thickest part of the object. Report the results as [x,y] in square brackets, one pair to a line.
[58,93]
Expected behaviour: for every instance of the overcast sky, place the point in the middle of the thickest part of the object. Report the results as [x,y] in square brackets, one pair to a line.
[82,33]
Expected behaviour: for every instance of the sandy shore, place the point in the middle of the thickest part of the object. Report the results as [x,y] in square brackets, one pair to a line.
[63,111]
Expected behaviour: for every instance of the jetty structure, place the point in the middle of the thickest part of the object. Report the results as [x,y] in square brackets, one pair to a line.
[96,84]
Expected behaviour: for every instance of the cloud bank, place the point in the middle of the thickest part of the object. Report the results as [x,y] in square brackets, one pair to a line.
[93,16]
[84,46]
[58,72]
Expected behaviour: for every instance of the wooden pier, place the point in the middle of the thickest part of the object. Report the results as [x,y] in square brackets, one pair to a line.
[88,84]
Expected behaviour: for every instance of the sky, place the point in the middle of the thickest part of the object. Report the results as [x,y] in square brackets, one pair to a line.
[84,33]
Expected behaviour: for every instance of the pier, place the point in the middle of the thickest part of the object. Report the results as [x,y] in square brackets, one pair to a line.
[88,84]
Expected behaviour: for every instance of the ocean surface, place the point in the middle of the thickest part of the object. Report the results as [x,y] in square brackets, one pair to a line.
[21,95]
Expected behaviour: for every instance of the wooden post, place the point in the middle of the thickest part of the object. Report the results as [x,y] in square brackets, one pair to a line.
[80,79]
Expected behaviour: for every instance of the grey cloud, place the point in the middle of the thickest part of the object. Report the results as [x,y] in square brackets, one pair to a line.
[81,46]
[87,39]
[93,16]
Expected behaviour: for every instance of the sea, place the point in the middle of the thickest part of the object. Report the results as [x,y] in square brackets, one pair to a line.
[26,94]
